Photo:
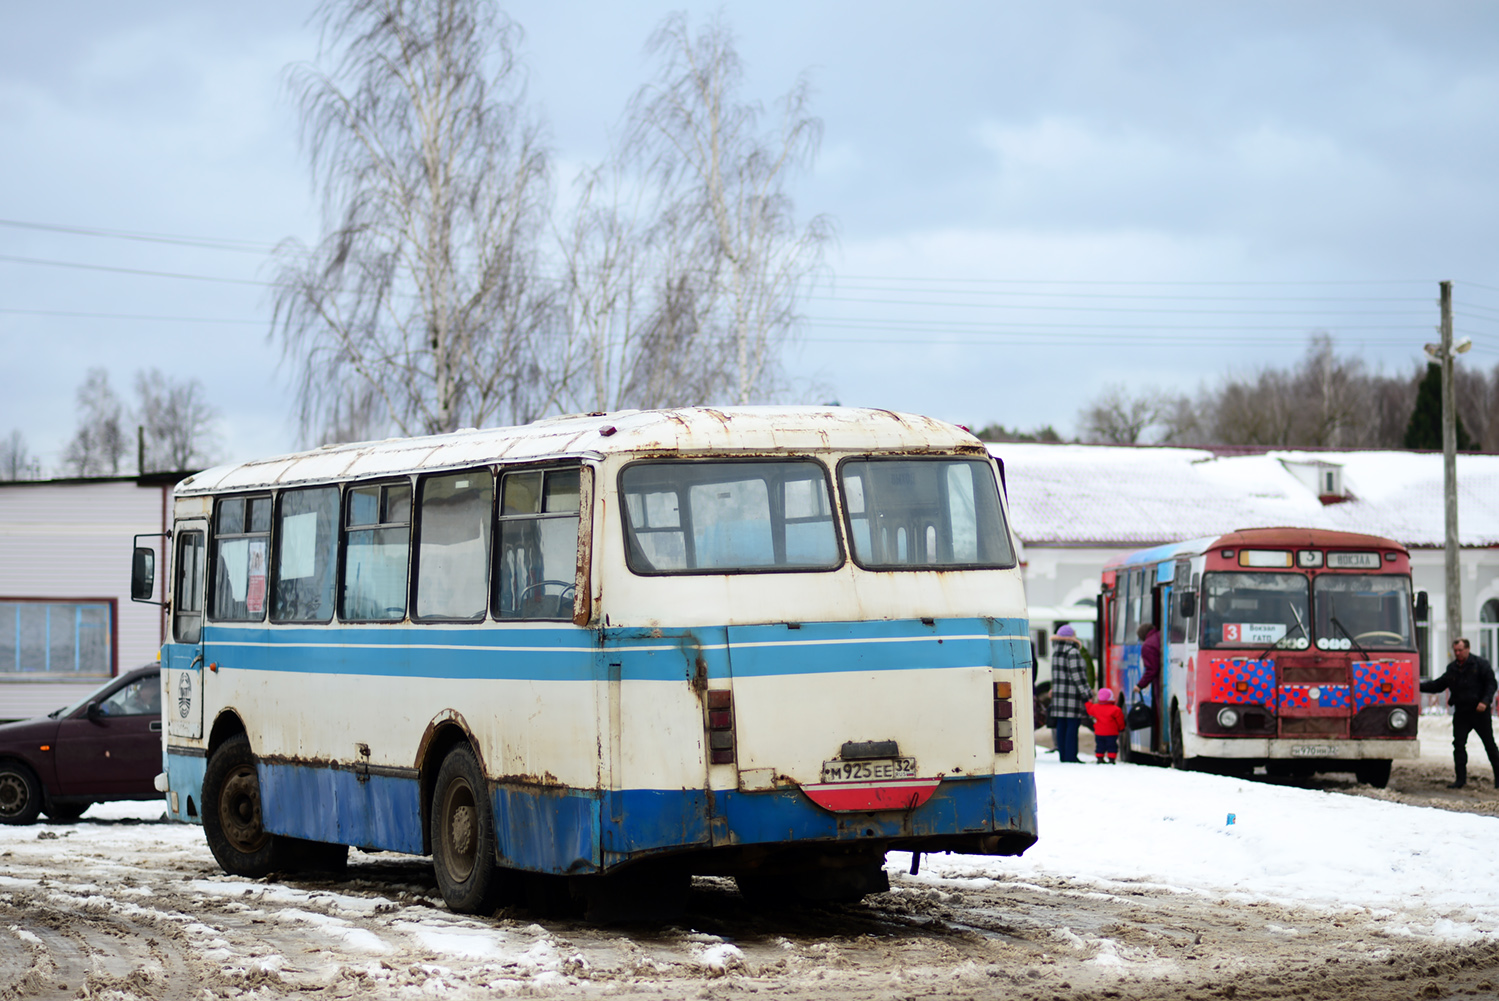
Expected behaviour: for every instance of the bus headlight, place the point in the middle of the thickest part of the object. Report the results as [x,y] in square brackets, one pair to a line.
[1399,719]
[1228,718]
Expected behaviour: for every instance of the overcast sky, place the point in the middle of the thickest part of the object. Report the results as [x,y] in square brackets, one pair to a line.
[1033,201]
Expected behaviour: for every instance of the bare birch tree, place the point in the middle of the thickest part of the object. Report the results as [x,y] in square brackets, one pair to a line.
[636,302]
[177,421]
[726,182]
[16,460]
[99,444]
[418,309]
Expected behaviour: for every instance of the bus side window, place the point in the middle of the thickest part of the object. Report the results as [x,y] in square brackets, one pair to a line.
[241,554]
[306,551]
[537,558]
[377,522]
[452,555]
[187,594]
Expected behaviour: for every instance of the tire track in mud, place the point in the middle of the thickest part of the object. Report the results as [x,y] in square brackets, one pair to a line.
[129,922]
[52,949]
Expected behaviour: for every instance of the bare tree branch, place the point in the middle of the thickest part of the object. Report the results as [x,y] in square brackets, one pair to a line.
[418,309]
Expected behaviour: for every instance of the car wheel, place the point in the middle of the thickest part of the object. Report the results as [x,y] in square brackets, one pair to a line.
[66,813]
[231,813]
[463,840]
[20,794]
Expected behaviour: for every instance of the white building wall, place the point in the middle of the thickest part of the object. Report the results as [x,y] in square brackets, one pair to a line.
[73,540]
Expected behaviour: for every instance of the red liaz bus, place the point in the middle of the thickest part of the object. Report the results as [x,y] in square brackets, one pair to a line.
[1288,648]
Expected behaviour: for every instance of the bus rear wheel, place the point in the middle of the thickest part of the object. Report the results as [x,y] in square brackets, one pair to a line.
[231,813]
[463,839]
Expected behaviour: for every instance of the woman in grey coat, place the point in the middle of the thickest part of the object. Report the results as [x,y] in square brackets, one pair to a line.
[1069,691]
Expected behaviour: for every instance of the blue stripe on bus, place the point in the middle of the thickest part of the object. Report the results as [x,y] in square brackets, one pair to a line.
[570,654]
[577,831]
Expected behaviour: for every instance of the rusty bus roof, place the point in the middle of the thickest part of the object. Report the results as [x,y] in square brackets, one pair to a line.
[688,431]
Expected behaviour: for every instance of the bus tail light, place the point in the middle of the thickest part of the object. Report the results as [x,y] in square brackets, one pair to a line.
[1004,712]
[720,726]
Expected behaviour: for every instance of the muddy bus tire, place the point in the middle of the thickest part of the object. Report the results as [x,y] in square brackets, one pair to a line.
[463,839]
[231,813]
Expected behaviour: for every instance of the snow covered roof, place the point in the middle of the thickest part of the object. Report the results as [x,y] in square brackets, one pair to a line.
[1128,496]
[689,430]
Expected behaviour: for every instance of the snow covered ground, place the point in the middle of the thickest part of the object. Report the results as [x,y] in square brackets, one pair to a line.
[1138,883]
[1424,870]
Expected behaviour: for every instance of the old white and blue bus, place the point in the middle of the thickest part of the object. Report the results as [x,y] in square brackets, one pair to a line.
[624,648]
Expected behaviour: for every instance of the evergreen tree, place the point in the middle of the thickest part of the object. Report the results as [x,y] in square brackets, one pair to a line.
[1425,428]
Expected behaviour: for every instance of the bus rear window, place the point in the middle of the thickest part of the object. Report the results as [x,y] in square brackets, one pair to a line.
[726,517]
[924,514]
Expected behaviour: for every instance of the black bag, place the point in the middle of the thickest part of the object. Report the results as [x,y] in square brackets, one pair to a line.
[1140,716]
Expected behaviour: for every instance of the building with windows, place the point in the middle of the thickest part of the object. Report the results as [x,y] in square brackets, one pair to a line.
[1074,506]
[67,623]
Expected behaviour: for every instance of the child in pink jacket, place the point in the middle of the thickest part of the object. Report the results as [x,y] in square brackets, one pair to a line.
[1108,723]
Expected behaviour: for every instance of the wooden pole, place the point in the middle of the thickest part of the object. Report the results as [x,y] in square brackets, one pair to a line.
[1449,470]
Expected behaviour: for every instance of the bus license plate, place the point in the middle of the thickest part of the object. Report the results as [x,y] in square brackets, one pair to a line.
[1313,751]
[873,770]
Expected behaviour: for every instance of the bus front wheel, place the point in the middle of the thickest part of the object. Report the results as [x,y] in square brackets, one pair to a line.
[1375,773]
[231,813]
[463,839]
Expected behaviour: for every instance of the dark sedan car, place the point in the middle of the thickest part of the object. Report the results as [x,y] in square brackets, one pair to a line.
[105,746]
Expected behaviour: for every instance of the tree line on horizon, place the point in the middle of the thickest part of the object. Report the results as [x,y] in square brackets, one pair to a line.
[1325,400]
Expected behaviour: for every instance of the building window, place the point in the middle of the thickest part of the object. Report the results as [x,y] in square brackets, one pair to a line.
[73,639]
[1488,629]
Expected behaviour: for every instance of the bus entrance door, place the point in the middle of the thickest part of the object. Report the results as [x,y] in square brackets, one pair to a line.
[182,657]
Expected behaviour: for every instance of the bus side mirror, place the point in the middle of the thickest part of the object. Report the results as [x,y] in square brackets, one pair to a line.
[1423,609]
[1188,604]
[142,575]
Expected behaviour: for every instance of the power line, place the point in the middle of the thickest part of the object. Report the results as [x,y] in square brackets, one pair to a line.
[129,316]
[201,243]
[132,271]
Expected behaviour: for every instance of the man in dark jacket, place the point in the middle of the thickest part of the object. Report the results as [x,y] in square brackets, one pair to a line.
[1469,684]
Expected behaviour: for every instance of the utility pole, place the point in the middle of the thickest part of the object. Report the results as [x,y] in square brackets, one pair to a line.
[1446,354]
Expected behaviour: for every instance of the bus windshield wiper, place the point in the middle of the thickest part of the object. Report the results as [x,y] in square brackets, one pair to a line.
[1362,652]
[1299,625]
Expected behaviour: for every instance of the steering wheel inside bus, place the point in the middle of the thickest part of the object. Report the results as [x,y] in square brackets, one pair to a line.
[1378,634]
[564,597]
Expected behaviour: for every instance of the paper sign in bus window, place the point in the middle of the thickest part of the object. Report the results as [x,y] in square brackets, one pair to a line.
[1253,632]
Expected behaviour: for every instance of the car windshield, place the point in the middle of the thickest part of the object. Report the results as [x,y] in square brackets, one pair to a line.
[1255,610]
[93,696]
[1371,611]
